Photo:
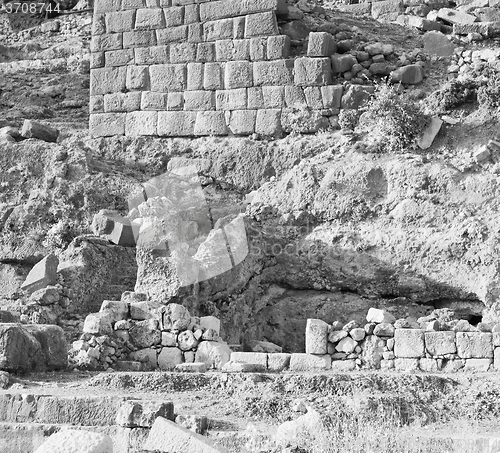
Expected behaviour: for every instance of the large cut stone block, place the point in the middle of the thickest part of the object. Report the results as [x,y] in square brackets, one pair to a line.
[316,336]
[409,343]
[241,122]
[106,41]
[122,102]
[476,345]
[238,74]
[313,71]
[268,122]
[169,358]
[222,9]
[231,99]
[176,124]
[42,274]
[149,18]
[53,345]
[116,229]
[278,361]
[135,414]
[214,354]
[440,343]
[118,22]
[321,44]
[107,124]
[108,80]
[76,441]
[168,77]
[20,351]
[308,362]
[210,123]
[278,72]
[259,359]
[232,49]
[261,24]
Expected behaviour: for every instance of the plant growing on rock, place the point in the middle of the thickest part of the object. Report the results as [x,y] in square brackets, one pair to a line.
[393,119]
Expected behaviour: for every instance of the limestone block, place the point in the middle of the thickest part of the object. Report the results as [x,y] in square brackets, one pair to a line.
[168,358]
[474,345]
[141,310]
[239,27]
[384,330]
[403,364]
[268,122]
[104,6]
[273,97]
[152,55]
[41,275]
[312,71]
[218,29]
[321,44]
[99,24]
[186,340]
[195,34]
[232,8]
[356,96]
[139,38]
[76,441]
[313,97]
[54,350]
[454,16]
[151,100]
[308,362]
[96,60]
[118,22]
[122,102]
[210,322]
[174,16]
[440,343]
[277,72]
[436,43]
[377,315]
[258,359]
[175,317]
[134,4]
[194,367]
[258,49]
[278,361]
[261,24]
[176,124]
[114,310]
[213,76]
[205,52]
[171,35]
[346,345]
[411,74]
[141,123]
[316,336]
[96,104]
[106,41]
[372,351]
[232,49]
[149,18]
[483,28]
[358,334]
[429,365]
[107,80]
[231,99]
[119,57]
[238,74]
[145,334]
[477,365]
[452,366]
[409,343]
[168,77]
[168,436]
[175,101]
[241,122]
[107,124]
[387,10]
[342,366]
[210,123]
[255,98]
[168,339]
[183,52]
[430,133]
[214,354]
[199,100]
[146,356]
[191,13]
[135,414]
[278,47]
[195,76]
[295,98]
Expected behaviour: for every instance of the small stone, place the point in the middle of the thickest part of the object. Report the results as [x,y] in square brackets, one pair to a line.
[384,330]
[33,129]
[346,345]
[337,335]
[376,315]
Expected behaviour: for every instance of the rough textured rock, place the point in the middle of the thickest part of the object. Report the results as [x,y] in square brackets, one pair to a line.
[53,345]
[20,351]
[295,432]
[42,275]
[316,336]
[77,441]
[214,354]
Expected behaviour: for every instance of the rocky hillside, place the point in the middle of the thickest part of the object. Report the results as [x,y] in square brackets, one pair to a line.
[337,221]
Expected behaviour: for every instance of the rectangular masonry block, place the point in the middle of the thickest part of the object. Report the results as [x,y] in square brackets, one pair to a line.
[119,57]
[316,336]
[255,98]
[174,16]
[164,3]
[259,359]
[195,76]
[139,38]
[278,47]
[332,96]
[96,104]
[268,122]
[477,365]
[122,102]
[107,124]
[141,123]
[313,98]
[342,62]
[191,13]
[176,124]
[152,55]
[474,345]
[210,123]
[258,49]
[309,362]
[262,24]
[137,78]
[239,27]
[96,60]
[232,49]
[238,74]
[218,29]
[149,19]
[278,361]
[440,343]
[278,72]
[195,33]
[294,97]
[409,343]
[153,4]
[172,34]
[199,100]
[313,71]
[120,21]
[168,77]
[107,41]
[106,6]
[213,76]
[273,98]
[151,100]
[321,44]
[231,99]
[241,122]
[205,52]
[99,24]
[221,9]
[182,52]
[107,80]
[133,4]
[175,101]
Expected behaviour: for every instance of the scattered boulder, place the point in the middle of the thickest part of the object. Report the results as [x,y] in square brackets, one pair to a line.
[429,133]
[411,74]
[436,43]
[214,354]
[43,274]
[20,351]
[76,441]
[33,129]
[378,316]
[116,229]
[53,345]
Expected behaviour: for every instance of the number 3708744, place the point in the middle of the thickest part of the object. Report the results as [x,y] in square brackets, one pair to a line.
[30,8]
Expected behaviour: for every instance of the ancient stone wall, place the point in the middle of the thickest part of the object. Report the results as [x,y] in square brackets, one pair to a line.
[196,68]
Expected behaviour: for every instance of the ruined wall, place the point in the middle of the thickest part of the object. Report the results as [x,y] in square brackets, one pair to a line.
[196,68]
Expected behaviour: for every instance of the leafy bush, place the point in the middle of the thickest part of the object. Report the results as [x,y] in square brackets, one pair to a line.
[454,94]
[395,120]
[348,119]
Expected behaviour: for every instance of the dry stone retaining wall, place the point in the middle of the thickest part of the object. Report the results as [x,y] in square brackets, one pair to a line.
[197,68]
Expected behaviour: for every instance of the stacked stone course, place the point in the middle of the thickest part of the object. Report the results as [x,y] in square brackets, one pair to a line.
[175,68]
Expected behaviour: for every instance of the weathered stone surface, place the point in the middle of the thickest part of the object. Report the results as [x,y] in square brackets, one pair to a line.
[429,365]
[477,365]
[167,436]
[373,349]
[214,354]
[439,343]
[114,228]
[186,340]
[307,362]
[135,414]
[278,361]
[97,323]
[175,317]
[429,133]
[342,366]
[54,349]
[409,343]
[384,330]
[455,17]
[147,356]
[114,310]
[193,367]
[316,336]
[194,423]
[346,345]
[76,441]
[474,345]
[20,351]
[169,358]
[33,129]
[436,43]
[403,364]
[379,316]
[43,274]
[259,359]
[357,334]
[411,74]
[145,334]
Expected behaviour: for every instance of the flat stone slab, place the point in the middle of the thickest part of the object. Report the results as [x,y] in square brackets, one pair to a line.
[77,441]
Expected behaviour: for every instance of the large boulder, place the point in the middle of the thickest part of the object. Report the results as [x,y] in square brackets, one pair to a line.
[76,441]
[20,351]
[43,274]
[53,345]
[215,354]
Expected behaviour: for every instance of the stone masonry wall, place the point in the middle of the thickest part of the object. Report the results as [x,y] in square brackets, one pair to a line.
[175,68]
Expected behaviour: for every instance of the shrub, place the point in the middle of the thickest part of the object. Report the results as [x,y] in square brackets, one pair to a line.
[395,120]
[453,94]
[348,119]
[488,94]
